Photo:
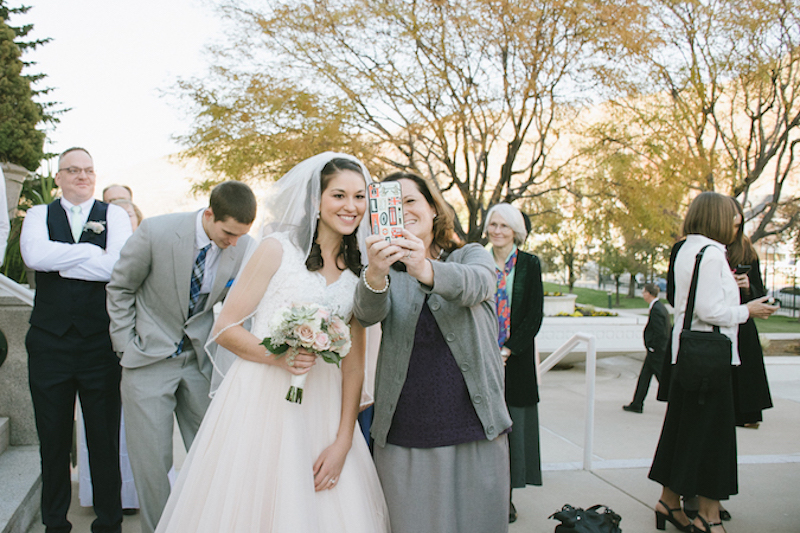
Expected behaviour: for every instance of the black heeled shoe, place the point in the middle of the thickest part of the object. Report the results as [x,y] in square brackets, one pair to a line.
[512,513]
[725,515]
[662,519]
[706,526]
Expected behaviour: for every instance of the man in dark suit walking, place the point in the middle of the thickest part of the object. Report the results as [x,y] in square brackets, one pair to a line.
[656,336]
[73,244]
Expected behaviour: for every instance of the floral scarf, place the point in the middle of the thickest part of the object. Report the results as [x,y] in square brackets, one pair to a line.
[503,305]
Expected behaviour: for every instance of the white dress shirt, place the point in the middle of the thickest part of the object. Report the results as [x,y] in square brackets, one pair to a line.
[81,260]
[212,255]
[717,301]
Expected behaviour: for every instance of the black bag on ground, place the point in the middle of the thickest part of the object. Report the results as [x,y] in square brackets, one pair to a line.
[591,520]
[704,357]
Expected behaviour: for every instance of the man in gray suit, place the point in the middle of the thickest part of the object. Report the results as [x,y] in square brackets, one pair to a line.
[170,274]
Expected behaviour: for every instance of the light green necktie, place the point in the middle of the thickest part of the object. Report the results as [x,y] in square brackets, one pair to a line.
[76,223]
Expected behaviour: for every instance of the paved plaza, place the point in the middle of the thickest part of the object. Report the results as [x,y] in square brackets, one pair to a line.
[769,457]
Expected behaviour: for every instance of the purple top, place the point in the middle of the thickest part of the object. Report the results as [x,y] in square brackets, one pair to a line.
[434,408]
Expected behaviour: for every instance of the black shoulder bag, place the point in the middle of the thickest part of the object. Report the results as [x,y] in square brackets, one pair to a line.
[704,357]
[591,520]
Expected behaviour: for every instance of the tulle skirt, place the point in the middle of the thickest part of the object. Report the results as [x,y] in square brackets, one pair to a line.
[250,468]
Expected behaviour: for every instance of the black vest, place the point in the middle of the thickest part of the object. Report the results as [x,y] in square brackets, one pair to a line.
[61,302]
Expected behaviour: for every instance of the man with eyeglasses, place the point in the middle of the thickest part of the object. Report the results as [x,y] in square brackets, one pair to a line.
[73,244]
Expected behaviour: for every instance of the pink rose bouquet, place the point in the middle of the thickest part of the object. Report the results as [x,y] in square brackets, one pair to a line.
[312,327]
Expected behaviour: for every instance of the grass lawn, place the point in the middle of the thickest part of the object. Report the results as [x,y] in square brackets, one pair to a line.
[775,324]
[598,298]
[778,324]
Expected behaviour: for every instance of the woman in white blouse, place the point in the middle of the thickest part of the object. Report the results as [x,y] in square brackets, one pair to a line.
[696,453]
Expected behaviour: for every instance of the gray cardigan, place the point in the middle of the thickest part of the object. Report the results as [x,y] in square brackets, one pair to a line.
[462,302]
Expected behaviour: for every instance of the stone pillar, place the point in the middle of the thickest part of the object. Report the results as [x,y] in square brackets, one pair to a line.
[15,175]
[15,396]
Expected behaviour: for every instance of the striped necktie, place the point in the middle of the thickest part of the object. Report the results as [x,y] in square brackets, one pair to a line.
[198,272]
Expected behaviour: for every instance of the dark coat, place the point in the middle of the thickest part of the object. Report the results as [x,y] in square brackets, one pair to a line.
[657,332]
[750,386]
[527,310]
[666,367]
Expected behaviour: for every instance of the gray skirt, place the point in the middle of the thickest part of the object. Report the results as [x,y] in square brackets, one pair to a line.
[459,489]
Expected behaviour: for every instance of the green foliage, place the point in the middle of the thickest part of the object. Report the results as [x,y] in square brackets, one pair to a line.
[20,111]
[596,298]
[256,126]
[465,93]
[20,141]
[39,190]
[714,102]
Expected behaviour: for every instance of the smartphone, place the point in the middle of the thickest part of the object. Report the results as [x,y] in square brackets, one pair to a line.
[386,209]
[742,269]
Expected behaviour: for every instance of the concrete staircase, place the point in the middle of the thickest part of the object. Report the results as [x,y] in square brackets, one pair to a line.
[20,483]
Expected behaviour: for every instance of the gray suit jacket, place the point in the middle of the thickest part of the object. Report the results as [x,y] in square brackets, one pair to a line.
[462,302]
[148,295]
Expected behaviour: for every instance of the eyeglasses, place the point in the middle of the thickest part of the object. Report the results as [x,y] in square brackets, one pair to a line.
[74,171]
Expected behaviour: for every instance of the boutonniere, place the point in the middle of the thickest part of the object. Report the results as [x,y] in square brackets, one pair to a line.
[94,226]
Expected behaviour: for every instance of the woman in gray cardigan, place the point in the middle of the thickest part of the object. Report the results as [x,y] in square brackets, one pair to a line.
[440,417]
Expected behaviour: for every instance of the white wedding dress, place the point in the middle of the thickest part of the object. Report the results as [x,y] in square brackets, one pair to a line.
[250,467]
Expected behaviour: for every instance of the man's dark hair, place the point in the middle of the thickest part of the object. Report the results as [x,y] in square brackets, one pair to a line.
[652,289]
[233,199]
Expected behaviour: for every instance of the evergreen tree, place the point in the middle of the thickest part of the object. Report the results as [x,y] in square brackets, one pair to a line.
[20,141]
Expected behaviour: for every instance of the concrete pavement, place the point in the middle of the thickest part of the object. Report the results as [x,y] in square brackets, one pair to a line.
[769,457]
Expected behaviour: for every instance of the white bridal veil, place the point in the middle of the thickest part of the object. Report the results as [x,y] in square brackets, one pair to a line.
[290,206]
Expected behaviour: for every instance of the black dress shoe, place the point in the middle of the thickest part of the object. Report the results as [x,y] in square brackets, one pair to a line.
[512,513]
[632,408]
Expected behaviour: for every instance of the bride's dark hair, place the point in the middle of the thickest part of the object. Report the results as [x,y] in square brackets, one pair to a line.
[349,253]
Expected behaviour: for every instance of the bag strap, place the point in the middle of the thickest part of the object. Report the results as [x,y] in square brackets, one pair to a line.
[689,311]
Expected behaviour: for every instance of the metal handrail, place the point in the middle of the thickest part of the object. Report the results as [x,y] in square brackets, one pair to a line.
[591,367]
[18,291]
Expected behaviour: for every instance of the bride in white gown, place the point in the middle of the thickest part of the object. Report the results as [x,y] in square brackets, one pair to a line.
[260,463]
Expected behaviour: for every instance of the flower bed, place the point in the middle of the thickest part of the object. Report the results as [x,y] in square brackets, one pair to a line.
[588,310]
[615,334]
[554,305]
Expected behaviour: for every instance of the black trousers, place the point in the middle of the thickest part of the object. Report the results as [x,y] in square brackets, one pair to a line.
[58,368]
[651,367]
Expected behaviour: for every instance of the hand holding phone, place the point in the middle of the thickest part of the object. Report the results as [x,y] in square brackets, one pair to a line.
[386,210]
[742,269]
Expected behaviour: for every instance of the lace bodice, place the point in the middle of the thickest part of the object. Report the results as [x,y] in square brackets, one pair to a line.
[292,283]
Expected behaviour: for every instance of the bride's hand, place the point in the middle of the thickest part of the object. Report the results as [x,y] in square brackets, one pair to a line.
[328,466]
[296,361]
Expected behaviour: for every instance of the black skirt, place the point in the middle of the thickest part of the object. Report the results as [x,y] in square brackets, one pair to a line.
[696,453]
[750,386]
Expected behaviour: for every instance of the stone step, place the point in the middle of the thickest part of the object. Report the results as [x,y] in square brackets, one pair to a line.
[20,489]
[5,434]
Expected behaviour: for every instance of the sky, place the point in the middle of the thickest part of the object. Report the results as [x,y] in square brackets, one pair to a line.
[109,62]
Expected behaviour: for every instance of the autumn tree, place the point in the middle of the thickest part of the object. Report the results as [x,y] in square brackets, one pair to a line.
[470,94]
[713,101]
[635,208]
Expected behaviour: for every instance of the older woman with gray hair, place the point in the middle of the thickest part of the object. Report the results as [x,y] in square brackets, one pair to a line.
[520,301]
